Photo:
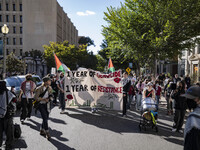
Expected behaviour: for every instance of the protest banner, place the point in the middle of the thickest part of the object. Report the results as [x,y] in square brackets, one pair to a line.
[89,88]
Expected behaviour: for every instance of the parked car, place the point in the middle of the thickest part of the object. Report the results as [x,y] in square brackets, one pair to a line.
[35,78]
[13,81]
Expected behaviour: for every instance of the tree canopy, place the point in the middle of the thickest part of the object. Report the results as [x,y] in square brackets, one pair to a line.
[146,30]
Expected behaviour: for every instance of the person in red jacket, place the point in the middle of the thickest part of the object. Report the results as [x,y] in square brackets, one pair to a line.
[158,91]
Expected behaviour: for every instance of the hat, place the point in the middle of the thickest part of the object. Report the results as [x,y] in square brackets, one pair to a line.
[45,79]
[192,93]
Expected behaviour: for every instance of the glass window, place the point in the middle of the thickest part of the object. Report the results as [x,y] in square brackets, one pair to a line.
[7,51]
[0,18]
[7,7]
[8,41]
[14,41]
[14,51]
[20,18]
[0,6]
[7,18]
[198,49]
[14,9]
[21,42]
[20,7]
[14,30]
[20,52]
[21,30]
[14,20]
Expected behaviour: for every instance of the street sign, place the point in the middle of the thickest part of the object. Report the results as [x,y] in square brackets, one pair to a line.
[1,47]
[128,70]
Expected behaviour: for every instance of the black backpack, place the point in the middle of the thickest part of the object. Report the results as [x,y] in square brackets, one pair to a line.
[17,131]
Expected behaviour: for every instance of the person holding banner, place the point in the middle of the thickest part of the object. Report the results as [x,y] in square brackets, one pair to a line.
[60,85]
[126,86]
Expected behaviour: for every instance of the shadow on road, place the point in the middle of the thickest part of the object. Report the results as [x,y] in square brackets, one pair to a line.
[112,120]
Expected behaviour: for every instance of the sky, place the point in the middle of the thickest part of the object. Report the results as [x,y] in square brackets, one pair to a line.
[87,16]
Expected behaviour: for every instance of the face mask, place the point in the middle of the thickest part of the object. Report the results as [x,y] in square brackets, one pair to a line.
[191,104]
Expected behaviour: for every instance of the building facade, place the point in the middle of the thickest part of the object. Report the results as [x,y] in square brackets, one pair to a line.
[189,63]
[34,23]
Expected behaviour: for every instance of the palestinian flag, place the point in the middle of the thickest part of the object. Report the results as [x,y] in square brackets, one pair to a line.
[60,66]
[110,66]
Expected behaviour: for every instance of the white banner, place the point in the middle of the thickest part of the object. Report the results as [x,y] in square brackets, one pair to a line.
[89,88]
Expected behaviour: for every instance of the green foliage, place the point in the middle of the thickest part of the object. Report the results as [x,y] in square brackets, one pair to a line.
[86,41]
[14,65]
[146,30]
[70,55]
[34,53]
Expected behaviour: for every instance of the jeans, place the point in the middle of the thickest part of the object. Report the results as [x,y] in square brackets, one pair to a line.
[7,126]
[169,104]
[157,100]
[62,101]
[26,108]
[45,116]
[55,98]
[178,119]
[138,101]
[130,98]
[125,96]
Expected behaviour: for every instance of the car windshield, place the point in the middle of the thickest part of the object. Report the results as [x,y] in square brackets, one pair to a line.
[36,79]
[12,82]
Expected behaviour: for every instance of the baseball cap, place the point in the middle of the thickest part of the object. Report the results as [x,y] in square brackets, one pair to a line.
[192,93]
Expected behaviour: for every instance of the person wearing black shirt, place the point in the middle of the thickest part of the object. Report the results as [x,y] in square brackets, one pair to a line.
[180,107]
[126,86]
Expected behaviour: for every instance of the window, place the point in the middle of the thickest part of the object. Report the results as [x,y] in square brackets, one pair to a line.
[20,7]
[0,18]
[14,51]
[20,18]
[14,30]
[14,9]
[14,41]
[21,42]
[21,30]
[7,51]
[0,6]
[7,18]
[14,19]
[20,52]
[8,41]
[7,7]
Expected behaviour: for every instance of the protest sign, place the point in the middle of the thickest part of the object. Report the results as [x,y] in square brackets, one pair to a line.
[89,88]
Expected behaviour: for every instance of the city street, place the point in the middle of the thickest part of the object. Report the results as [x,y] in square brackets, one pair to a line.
[79,129]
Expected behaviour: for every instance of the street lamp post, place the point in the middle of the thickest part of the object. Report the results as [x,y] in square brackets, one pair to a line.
[5,31]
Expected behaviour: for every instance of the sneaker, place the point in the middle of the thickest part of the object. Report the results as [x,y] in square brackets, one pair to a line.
[62,112]
[48,136]
[174,129]
[42,132]
[22,121]
[180,131]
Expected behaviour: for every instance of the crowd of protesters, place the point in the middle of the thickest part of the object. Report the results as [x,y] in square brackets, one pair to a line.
[179,94]
[175,90]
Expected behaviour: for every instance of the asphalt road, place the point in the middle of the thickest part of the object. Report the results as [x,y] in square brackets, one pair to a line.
[79,129]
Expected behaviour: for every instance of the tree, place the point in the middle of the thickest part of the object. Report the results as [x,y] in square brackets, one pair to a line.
[70,55]
[14,65]
[147,30]
[86,41]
